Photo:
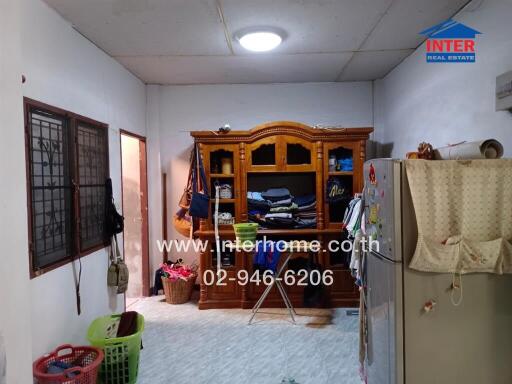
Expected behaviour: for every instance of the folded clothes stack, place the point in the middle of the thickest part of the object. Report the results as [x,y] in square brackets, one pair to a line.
[257,204]
[277,195]
[305,216]
[281,208]
[346,164]
[277,208]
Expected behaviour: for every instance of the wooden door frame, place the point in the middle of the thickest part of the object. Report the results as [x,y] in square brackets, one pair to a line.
[146,288]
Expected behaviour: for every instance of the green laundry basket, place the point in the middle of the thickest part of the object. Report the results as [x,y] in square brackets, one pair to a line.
[121,362]
[245,232]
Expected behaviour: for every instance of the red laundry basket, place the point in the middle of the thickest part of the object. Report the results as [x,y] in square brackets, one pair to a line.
[86,359]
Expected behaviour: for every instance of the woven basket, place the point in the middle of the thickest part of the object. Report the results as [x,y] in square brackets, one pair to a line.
[179,291]
[226,221]
[225,192]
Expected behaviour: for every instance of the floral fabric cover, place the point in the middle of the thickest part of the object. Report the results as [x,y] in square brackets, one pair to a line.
[464,215]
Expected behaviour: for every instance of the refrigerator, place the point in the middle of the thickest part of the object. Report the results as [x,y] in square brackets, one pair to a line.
[466,344]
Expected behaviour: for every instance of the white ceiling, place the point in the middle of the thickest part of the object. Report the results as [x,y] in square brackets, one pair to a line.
[184,41]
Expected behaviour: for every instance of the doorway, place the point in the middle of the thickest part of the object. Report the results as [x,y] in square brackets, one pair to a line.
[135,212]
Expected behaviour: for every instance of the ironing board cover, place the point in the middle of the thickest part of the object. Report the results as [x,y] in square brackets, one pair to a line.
[464,215]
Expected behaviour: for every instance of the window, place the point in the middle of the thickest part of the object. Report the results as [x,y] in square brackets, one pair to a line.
[67,164]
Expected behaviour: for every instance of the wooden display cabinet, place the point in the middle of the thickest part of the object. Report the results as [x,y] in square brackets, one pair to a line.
[277,154]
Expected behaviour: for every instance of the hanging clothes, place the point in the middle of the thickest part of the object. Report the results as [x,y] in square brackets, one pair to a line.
[354,225]
[268,255]
[349,210]
[354,222]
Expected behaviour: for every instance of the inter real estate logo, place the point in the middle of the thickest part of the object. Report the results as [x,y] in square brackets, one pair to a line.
[450,42]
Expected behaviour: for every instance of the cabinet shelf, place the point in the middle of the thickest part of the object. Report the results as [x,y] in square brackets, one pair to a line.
[341,173]
[212,200]
[221,176]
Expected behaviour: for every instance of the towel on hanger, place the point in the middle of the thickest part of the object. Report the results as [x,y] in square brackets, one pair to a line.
[354,217]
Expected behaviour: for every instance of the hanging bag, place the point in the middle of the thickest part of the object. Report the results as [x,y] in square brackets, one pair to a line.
[186,197]
[114,222]
[118,274]
[112,269]
[183,223]
[199,204]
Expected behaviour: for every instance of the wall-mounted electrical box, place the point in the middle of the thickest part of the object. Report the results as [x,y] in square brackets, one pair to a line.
[504,92]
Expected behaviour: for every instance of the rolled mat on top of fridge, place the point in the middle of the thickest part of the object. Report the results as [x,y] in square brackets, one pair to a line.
[484,149]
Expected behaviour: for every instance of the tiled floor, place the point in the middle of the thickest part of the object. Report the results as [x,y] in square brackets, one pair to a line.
[187,346]
[131,301]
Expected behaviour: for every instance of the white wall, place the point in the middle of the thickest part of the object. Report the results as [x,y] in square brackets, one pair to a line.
[449,103]
[208,107]
[154,175]
[14,270]
[65,70]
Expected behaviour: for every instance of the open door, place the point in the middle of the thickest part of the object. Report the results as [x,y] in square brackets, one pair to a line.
[135,212]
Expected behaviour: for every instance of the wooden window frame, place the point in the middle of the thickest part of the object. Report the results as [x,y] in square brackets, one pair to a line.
[73,120]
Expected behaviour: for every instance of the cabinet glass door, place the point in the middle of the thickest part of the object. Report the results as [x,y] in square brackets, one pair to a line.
[263,155]
[221,168]
[297,154]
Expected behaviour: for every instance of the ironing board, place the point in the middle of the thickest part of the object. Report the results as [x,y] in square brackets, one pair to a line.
[290,248]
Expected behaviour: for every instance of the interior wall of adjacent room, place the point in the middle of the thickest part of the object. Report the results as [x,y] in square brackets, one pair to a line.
[15,292]
[132,235]
[207,107]
[65,70]
[449,103]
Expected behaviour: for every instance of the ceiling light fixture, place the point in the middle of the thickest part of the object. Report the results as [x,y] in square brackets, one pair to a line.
[260,40]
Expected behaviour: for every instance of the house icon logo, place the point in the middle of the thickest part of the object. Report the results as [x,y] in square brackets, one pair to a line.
[450,42]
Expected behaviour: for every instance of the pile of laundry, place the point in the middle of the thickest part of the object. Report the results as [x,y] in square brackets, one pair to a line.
[277,208]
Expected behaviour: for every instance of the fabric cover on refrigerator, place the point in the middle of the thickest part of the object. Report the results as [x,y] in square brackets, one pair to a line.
[464,215]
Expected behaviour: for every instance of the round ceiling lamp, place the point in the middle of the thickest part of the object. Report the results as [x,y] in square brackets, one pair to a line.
[260,40]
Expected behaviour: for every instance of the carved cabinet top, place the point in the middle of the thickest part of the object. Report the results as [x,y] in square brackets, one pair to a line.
[284,128]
